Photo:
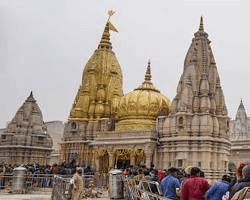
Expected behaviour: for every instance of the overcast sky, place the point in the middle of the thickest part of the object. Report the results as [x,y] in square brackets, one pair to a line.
[44,45]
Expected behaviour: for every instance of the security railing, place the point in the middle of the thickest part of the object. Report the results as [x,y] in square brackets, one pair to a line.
[141,190]
[30,182]
[62,188]
[93,185]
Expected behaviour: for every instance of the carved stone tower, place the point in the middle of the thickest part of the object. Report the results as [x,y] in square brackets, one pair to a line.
[241,124]
[240,137]
[25,139]
[196,133]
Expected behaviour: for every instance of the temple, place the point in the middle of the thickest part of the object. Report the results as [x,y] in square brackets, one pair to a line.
[196,132]
[240,137]
[108,129]
[25,139]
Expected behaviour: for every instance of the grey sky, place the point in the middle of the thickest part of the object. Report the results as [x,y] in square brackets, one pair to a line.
[44,45]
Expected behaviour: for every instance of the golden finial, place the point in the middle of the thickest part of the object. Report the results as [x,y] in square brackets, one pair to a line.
[110,13]
[201,28]
[105,41]
[148,72]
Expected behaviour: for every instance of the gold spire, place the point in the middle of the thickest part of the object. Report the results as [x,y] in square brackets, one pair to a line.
[105,41]
[201,28]
[101,83]
[148,73]
[147,84]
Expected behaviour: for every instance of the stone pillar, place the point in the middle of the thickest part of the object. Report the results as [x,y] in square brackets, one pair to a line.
[97,164]
[165,159]
[89,130]
[111,159]
[149,153]
[148,160]
[155,158]
[195,155]
[132,159]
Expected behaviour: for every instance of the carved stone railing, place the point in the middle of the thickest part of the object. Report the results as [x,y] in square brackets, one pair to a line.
[127,134]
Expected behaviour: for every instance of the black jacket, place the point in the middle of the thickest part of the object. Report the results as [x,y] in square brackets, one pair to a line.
[238,186]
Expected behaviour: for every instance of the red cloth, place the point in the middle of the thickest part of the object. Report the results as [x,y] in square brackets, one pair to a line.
[194,188]
[161,175]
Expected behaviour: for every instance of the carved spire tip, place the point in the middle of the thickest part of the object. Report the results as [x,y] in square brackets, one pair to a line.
[201,28]
[31,94]
[148,72]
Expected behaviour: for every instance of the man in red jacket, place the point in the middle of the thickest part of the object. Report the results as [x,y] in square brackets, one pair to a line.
[194,188]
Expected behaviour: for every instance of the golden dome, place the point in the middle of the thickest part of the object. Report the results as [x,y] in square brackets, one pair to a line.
[101,85]
[139,109]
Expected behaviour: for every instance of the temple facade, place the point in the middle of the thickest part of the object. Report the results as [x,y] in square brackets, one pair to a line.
[240,137]
[106,128]
[25,139]
[196,132]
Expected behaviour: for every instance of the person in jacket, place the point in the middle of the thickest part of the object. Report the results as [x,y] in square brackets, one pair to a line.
[194,188]
[218,189]
[245,182]
[169,184]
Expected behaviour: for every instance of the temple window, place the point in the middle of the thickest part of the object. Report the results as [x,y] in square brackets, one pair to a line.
[180,122]
[179,163]
[199,164]
[73,125]
[73,132]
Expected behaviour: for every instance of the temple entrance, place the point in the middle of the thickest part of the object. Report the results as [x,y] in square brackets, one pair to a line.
[127,157]
[123,164]
[122,158]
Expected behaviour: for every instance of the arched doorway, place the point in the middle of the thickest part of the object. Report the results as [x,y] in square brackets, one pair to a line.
[122,158]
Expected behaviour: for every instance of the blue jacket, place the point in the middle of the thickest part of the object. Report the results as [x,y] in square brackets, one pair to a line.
[217,190]
[169,185]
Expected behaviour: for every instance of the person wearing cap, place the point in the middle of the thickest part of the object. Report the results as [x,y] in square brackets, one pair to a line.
[218,189]
[169,184]
[77,181]
[194,188]
[245,182]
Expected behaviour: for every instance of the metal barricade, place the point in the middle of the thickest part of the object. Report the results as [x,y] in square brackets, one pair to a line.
[62,189]
[93,186]
[145,190]
[26,183]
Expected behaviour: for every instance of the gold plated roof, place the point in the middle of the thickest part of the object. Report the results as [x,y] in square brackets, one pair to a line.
[101,87]
[139,109]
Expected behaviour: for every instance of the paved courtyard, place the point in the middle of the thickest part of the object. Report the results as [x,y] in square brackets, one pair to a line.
[43,196]
[25,197]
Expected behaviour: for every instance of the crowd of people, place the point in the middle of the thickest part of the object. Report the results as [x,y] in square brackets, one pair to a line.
[40,175]
[190,184]
[172,183]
